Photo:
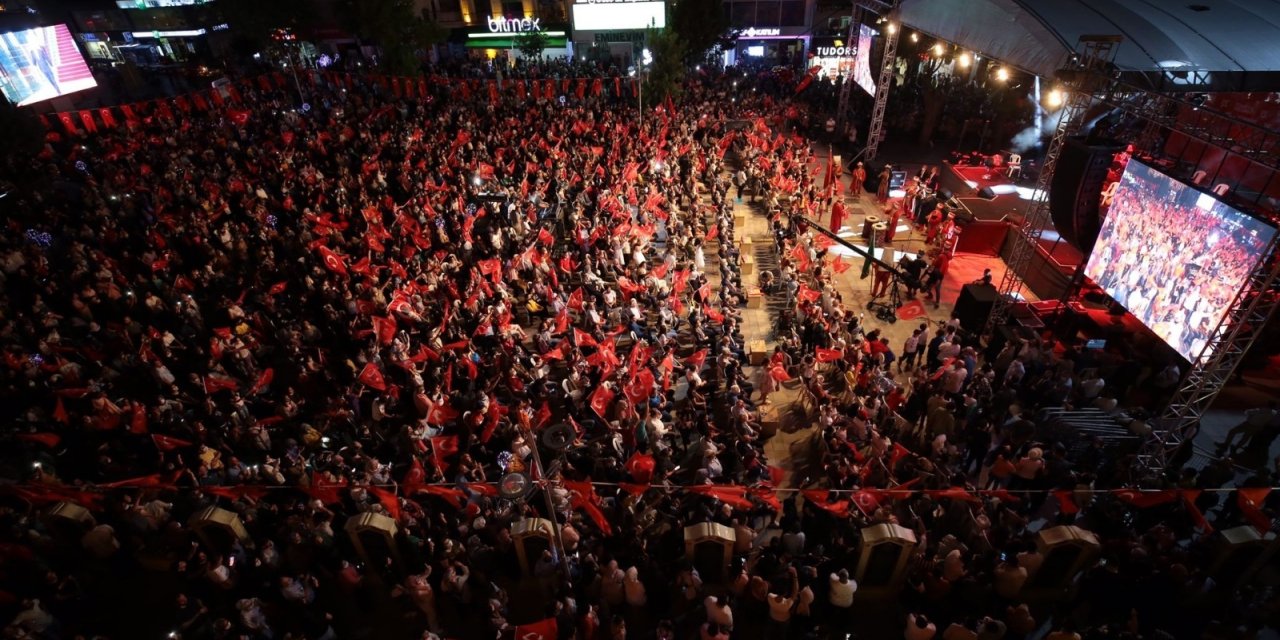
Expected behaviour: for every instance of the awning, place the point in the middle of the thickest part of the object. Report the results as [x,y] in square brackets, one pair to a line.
[511,43]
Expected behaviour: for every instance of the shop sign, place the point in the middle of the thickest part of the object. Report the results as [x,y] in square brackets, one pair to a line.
[499,24]
[754,32]
[835,52]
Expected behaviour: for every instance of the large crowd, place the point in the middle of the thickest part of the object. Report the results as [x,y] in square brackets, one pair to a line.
[381,305]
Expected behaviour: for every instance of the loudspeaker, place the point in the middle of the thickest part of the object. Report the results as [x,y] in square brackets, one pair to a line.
[882,562]
[973,307]
[709,546]
[1076,191]
[1067,550]
[218,528]
[986,193]
[1236,554]
[532,536]
[68,521]
[374,537]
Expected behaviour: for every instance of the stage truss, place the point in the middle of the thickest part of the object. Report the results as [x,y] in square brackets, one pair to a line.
[1089,82]
[1082,79]
[1178,424]
[875,132]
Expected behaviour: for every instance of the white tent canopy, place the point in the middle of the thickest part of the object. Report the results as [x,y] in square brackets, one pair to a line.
[1169,45]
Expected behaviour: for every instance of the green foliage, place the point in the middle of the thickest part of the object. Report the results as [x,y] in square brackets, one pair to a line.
[395,28]
[531,44]
[667,71]
[700,24]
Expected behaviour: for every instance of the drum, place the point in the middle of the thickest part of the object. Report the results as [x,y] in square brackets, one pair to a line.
[868,226]
[880,229]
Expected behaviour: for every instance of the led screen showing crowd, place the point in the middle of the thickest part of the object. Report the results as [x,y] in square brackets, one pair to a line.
[1173,256]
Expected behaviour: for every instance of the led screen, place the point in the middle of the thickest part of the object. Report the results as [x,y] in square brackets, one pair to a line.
[862,66]
[1173,256]
[604,16]
[39,64]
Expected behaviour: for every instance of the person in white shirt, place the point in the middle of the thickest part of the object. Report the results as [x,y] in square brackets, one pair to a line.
[781,605]
[842,589]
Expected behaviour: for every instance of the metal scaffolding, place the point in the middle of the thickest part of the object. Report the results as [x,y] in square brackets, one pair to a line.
[875,133]
[1178,424]
[842,111]
[1083,78]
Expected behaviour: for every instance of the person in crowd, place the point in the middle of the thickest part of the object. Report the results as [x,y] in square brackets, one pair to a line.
[376,309]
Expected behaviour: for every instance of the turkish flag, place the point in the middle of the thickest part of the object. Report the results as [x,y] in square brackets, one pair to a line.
[1250,502]
[324,491]
[1146,499]
[332,261]
[441,413]
[839,266]
[713,232]
[865,501]
[385,328]
[575,300]
[732,495]
[214,383]
[540,630]
[167,443]
[60,412]
[50,440]
[443,448]
[818,497]
[808,295]
[641,466]
[955,493]
[640,387]
[277,288]
[138,421]
[372,377]
[828,355]
[601,398]
[264,379]
[388,500]
[1189,497]
[899,452]
[779,373]
[696,360]
[1066,502]
[584,339]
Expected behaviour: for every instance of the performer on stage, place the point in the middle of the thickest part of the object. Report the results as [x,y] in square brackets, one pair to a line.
[859,178]
[882,191]
[935,225]
[837,215]
[893,214]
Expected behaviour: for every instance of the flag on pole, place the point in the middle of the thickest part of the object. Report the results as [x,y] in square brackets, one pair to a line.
[871,251]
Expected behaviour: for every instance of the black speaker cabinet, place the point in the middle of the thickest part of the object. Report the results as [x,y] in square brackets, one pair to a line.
[1076,192]
[1067,550]
[882,561]
[709,546]
[973,307]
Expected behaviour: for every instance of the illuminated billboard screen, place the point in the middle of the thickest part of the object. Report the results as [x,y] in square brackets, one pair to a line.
[39,64]
[606,16]
[862,65]
[1174,256]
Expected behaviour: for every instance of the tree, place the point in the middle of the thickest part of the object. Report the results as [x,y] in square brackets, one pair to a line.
[395,28]
[700,24]
[667,71]
[531,44]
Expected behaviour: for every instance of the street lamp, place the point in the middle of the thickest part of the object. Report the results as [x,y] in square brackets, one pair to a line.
[646,58]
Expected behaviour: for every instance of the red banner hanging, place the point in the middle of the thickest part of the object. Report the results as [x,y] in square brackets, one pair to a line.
[108,118]
[87,118]
[68,123]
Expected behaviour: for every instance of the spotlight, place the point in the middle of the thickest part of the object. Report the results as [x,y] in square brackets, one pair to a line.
[915,37]
[963,60]
[1002,74]
[938,49]
[1055,98]
[891,28]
